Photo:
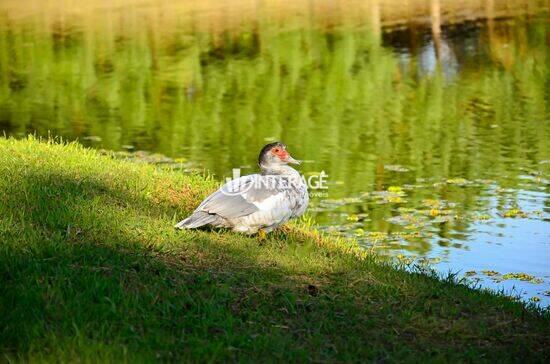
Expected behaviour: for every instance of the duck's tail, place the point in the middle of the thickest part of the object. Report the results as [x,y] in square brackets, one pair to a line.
[198,219]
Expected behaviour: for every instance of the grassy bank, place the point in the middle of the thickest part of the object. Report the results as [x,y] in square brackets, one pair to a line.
[91,268]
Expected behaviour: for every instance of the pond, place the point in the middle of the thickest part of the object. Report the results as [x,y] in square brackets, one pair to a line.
[434,139]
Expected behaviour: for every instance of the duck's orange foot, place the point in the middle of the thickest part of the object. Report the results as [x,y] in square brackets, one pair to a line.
[262,235]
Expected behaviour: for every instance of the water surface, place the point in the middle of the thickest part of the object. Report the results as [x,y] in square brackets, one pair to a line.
[435,144]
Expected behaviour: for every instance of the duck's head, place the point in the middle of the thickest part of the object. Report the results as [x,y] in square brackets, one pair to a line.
[275,155]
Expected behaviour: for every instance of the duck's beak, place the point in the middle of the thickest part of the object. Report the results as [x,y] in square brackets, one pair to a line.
[291,160]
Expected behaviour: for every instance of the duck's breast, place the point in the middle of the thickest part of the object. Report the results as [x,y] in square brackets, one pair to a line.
[277,199]
[272,211]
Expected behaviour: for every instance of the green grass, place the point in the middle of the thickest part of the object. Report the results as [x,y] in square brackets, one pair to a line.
[91,268]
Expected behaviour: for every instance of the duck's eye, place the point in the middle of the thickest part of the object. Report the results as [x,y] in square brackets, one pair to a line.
[276,150]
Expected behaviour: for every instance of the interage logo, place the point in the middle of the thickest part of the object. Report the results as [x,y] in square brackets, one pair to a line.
[236,185]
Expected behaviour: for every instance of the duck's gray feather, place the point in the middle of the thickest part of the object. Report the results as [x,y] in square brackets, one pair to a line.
[200,218]
[235,199]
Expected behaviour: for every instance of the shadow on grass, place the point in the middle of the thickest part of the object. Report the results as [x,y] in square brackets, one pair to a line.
[83,264]
[82,259]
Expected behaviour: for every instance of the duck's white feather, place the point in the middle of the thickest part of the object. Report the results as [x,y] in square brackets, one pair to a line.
[253,202]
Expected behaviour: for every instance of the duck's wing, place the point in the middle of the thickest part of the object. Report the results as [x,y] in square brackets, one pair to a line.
[237,198]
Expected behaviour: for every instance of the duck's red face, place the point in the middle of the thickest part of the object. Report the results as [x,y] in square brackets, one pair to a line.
[280,152]
[275,154]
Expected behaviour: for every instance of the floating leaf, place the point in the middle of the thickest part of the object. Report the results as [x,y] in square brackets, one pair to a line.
[490,273]
[404,259]
[377,236]
[482,217]
[514,212]
[523,277]
[458,181]
[431,203]
[395,168]
[93,138]
[353,218]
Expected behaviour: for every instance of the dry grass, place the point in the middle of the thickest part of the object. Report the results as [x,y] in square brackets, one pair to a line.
[214,17]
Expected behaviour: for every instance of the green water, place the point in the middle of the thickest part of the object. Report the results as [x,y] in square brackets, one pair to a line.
[435,154]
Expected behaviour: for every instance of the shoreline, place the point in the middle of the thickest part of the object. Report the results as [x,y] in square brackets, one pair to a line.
[92,269]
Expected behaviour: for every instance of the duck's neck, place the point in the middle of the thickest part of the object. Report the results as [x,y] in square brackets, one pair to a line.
[275,169]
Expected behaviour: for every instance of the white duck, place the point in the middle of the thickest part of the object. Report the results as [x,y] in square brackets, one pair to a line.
[257,203]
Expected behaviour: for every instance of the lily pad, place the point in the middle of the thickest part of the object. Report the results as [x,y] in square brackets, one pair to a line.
[490,273]
[396,168]
[515,212]
[458,181]
[522,277]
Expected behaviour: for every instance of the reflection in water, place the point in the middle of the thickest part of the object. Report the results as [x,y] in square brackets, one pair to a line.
[434,146]
[433,56]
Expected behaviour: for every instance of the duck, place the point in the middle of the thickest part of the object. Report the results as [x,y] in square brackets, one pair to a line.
[255,203]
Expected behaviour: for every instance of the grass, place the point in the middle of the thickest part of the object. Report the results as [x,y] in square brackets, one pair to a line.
[91,269]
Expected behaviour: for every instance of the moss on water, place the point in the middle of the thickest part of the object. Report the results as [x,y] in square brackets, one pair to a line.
[91,269]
